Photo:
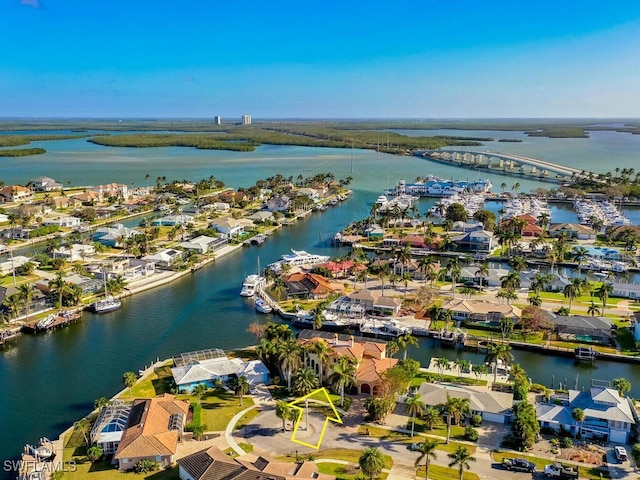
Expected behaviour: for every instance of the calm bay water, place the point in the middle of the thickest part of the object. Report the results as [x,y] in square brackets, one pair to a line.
[51,380]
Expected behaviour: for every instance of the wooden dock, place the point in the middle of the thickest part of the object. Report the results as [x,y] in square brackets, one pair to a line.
[61,320]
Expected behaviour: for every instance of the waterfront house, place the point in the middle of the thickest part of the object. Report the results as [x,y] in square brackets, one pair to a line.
[278,203]
[8,266]
[582,328]
[230,227]
[130,269]
[369,355]
[75,252]
[172,220]
[112,190]
[307,285]
[108,428]
[261,217]
[626,290]
[114,236]
[469,275]
[475,241]
[154,428]
[386,306]
[213,464]
[466,227]
[491,406]
[608,416]
[16,233]
[164,259]
[15,193]
[63,222]
[572,230]
[481,311]
[204,367]
[44,184]
[343,306]
[374,232]
[204,244]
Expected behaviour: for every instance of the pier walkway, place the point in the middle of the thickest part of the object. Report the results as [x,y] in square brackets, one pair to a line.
[504,163]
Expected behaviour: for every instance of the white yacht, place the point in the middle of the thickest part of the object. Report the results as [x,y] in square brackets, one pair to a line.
[298,258]
[107,304]
[262,306]
[251,284]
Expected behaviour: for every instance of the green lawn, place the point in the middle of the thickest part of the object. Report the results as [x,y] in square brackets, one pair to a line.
[343,472]
[343,454]
[572,345]
[591,473]
[105,471]
[457,432]
[422,377]
[436,472]
[159,382]
[219,408]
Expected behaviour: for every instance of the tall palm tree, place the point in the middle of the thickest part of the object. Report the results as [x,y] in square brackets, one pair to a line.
[427,449]
[482,272]
[305,381]
[289,356]
[82,425]
[497,353]
[404,341]
[454,271]
[129,379]
[573,291]
[462,458]
[442,364]
[454,408]
[13,303]
[431,417]
[415,407]
[580,255]
[25,292]
[371,462]
[343,374]
[199,391]
[603,292]
[241,387]
[60,286]
[283,411]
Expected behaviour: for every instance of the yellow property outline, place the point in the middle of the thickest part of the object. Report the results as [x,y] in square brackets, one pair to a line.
[336,418]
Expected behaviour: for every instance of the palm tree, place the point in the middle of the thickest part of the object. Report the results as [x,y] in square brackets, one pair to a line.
[482,272]
[59,285]
[13,303]
[392,347]
[82,425]
[578,415]
[603,292]
[371,462]
[289,356]
[497,353]
[593,309]
[427,451]
[25,293]
[573,291]
[129,379]
[461,457]
[404,341]
[455,408]
[442,364]
[101,402]
[199,391]
[415,407]
[622,385]
[305,381]
[343,374]
[580,255]
[431,417]
[283,411]
[242,387]
[455,272]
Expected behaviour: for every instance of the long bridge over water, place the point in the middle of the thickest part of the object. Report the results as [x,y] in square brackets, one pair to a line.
[504,163]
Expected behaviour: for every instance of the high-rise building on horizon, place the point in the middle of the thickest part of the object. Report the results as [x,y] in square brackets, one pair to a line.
[246,119]
[217,120]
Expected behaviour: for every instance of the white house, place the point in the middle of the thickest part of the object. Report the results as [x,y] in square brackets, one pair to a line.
[64,222]
[172,220]
[165,258]
[204,244]
[626,290]
[75,252]
[492,406]
[7,267]
[44,184]
[608,416]
[231,227]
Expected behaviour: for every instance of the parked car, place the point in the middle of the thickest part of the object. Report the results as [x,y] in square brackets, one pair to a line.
[518,464]
[414,446]
[621,453]
[559,470]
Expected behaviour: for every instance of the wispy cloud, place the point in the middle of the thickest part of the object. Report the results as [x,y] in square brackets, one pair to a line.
[31,3]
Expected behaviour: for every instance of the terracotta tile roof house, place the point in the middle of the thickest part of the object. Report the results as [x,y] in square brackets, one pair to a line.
[338,269]
[307,285]
[15,193]
[212,464]
[370,354]
[153,430]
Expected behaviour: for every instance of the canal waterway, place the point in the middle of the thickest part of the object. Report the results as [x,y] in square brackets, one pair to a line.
[50,380]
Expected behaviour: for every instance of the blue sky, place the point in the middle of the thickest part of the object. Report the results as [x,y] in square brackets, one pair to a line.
[329,59]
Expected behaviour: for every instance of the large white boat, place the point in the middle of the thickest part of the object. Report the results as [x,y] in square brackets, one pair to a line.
[251,284]
[298,258]
[46,322]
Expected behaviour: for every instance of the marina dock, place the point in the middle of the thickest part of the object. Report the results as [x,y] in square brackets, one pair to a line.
[59,320]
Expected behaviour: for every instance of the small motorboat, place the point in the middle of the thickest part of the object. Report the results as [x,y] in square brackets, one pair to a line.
[262,306]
